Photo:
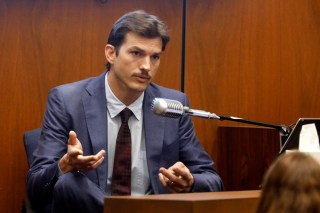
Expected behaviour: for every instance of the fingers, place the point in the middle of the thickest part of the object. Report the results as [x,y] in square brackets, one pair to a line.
[177,178]
[170,182]
[167,183]
[182,171]
[96,164]
[90,159]
[86,163]
[164,181]
[171,176]
[75,158]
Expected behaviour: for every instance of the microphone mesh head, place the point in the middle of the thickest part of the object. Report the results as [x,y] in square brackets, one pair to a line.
[167,108]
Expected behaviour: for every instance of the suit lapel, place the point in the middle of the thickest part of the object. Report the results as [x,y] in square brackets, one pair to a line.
[94,102]
[154,133]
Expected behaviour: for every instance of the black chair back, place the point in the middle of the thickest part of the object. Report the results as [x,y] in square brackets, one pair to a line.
[31,140]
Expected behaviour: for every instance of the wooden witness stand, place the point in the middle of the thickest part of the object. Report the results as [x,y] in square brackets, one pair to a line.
[205,202]
[244,154]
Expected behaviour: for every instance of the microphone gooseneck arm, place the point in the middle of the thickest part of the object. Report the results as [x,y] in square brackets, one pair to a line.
[284,130]
[175,109]
[199,113]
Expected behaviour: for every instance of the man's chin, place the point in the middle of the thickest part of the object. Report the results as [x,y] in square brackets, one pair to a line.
[140,87]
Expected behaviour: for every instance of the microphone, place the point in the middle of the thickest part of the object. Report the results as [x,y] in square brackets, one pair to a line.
[175,109]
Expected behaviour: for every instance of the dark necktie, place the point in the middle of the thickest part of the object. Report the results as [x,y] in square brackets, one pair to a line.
[121,177]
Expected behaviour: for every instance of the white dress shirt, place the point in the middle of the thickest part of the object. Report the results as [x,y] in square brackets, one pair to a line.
[140,181]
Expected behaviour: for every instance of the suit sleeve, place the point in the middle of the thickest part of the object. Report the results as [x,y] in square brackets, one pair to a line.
[192,154]
[44,171]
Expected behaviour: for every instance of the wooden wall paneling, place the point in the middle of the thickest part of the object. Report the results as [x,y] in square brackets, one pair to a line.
[48,43]
[252,59]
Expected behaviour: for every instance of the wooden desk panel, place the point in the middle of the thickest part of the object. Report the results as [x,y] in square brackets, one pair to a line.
[244,155]
[226,202]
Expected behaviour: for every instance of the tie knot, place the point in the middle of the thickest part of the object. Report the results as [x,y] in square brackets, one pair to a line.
[125,115]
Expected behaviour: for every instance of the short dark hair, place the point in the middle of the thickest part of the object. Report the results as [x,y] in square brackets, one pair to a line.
[141,23]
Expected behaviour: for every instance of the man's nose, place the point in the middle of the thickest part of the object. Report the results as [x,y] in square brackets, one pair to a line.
[145,63]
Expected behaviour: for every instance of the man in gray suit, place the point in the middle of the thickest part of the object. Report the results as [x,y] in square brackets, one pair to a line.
[73,165]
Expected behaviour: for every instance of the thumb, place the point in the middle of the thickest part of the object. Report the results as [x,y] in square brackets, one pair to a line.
[74,146]
[72,138]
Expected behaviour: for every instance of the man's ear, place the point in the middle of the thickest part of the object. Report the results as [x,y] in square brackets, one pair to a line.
[110,53]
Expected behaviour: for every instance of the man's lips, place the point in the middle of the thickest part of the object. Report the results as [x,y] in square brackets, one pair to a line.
[144,77]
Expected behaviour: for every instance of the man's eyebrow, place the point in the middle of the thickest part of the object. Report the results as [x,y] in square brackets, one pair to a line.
[136,48]
[157,53]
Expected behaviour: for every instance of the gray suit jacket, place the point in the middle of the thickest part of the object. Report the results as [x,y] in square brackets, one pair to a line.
[81,106]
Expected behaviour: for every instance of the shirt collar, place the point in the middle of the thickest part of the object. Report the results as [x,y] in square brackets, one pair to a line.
[115,106]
